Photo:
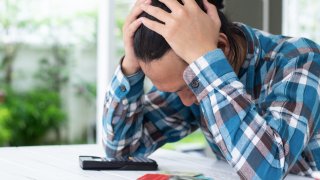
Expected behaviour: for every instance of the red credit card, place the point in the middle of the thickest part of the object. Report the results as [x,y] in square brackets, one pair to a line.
[154,177]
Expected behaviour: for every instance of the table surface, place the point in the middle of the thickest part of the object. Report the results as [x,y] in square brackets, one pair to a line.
[61,162]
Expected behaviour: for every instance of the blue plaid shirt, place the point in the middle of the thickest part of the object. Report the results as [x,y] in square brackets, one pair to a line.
[264,121]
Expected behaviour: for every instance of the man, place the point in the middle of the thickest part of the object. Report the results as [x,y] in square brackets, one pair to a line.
[254,95]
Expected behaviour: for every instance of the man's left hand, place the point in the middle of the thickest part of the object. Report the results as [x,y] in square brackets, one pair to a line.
[189,31]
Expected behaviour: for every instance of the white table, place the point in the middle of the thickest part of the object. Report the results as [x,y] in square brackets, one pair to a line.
[61,162]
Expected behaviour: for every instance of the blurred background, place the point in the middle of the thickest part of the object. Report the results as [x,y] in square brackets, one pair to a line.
[57,57]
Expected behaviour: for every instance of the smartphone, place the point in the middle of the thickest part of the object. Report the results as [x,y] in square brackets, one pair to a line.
[132,163]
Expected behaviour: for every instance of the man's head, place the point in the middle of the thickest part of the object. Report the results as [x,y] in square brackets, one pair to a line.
[162,65]
[149,46]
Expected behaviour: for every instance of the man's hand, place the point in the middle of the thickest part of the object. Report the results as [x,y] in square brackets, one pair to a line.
[130,63]
[189,31]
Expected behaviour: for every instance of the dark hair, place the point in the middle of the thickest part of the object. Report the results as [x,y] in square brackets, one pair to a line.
[149,45]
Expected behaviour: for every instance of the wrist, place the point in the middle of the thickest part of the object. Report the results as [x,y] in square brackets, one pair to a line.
[128,68]
[197,54]
[201,51]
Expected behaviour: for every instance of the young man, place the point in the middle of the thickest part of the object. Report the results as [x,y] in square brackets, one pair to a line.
[254,95]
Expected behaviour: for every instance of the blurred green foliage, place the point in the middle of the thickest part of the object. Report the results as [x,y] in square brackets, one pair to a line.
[5,131]
[36,116]
[196,138]
[53,75]
[25,118]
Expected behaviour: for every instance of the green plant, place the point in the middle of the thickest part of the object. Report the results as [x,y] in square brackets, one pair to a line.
[26,117]
[196,138]
[5,131]
[33,114]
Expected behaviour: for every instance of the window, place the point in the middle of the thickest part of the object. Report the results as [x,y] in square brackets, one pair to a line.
[302,19]
[47,73]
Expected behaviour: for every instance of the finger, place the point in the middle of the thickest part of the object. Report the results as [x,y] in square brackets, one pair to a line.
[138,2]
[156,12]
[206,4]
[189,3]
[172,4]
[211,10]
[154,26]
[136,10]
[133,27]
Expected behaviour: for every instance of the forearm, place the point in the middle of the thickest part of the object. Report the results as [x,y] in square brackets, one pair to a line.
[257,145]
[136,124]
[122,118]
[247,140]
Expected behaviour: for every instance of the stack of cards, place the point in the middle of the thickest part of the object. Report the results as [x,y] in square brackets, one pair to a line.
[175,175]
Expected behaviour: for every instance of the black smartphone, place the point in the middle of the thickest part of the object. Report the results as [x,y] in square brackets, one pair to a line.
[132,163]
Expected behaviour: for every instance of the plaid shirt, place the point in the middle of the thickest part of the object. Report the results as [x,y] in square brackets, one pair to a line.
[263,121]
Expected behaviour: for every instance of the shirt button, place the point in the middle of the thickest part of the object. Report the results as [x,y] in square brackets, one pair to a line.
[123,88]
[195,83]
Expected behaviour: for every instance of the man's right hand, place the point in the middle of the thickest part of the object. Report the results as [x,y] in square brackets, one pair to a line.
[130,63]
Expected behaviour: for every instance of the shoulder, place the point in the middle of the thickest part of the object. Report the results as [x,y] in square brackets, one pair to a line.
[296,47]
[289,55]
[288,51]
[299,59]
[289,47]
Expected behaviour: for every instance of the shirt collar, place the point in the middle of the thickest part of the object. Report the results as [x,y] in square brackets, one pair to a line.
[253,45]
[247,70]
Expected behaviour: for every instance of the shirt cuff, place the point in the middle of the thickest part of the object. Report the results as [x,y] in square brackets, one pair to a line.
[209,72]
[130,87]
[135,78]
